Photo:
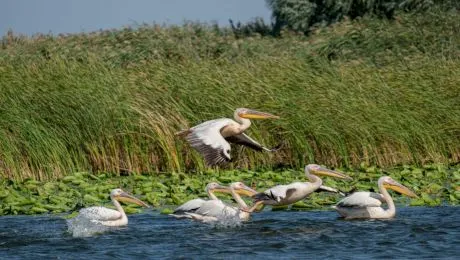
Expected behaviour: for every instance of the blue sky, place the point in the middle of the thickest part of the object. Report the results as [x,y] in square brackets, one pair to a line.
[71,16]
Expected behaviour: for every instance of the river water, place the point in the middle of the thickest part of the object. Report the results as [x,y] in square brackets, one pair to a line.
[415,233]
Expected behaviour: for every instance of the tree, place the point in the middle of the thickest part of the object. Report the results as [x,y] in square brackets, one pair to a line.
[301,15]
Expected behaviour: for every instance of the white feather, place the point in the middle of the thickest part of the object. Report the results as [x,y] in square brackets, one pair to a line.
[362,199]
[100,213]
[288,194]
[207,139]
[190,205]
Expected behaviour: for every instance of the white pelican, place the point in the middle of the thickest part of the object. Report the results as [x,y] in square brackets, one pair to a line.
[365,204]
[213,210]
[110,217]
[281,195]
[211,138]
[193,205]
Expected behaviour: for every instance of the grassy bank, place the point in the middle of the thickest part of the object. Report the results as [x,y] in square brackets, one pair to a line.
[369,91]
[435,185]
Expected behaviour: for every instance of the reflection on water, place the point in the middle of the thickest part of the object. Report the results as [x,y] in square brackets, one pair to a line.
[416,232]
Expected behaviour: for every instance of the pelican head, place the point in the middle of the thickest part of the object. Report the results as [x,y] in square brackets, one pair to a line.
[120,195]
[242,189]
[389,183]
[319,170]
[253,114]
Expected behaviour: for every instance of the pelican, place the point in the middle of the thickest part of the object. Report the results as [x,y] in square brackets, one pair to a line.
[110,217]
[282,195]
[211,138]
[213,210]
[195,204]
[363,204]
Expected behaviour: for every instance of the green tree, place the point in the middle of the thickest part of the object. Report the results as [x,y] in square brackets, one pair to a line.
[301,15]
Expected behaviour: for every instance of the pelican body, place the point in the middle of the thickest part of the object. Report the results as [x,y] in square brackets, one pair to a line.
[193,205]
[111,217]
[211,138]
[214,210]
[282,195]
[368,205]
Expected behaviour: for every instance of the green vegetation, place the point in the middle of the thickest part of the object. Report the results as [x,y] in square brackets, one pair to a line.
[435,185]
[369,91]
[303,15]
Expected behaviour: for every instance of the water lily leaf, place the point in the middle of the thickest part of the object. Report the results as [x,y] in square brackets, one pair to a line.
[279,208]
[167,211]
[90,199]
[38,210]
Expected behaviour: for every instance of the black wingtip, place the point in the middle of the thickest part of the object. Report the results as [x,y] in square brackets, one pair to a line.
[259,197]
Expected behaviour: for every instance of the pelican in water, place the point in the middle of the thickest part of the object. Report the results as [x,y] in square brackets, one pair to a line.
[282,195]
[211,138]
[110,217]
[214,210]
[363,204]
[193,205]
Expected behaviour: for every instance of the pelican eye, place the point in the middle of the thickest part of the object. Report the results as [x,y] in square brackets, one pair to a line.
[228,151]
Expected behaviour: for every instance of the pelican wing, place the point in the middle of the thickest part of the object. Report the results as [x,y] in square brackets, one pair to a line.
[245,140]
[189,206]
[100,213]
[215,208]
[275,194]
[362,199]
[207,140]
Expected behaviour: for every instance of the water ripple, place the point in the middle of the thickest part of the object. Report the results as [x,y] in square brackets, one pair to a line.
[416,233]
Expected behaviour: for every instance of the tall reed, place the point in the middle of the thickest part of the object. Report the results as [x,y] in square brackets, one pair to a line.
[369,91]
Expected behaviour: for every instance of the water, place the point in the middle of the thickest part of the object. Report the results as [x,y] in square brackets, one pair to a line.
[415,233]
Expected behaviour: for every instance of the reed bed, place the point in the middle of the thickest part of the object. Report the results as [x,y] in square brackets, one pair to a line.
[367,92]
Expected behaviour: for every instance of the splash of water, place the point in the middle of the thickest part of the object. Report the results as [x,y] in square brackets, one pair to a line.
[80,226]
[227,221]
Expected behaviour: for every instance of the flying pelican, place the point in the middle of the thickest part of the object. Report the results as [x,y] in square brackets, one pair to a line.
[213,210]
[282,195]
[363,204]
[193,205]
[211,138]
[110,217]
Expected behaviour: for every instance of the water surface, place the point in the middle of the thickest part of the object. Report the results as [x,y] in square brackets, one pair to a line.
[415,233]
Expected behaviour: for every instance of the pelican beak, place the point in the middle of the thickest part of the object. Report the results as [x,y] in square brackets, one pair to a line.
[254,114]
[222,189]
[396,186]
[246,191]
[327,172]
[125,197]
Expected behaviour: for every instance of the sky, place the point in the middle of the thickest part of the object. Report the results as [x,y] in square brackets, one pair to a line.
[73,16]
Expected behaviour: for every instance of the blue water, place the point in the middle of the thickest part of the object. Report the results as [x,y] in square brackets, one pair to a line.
[415,233]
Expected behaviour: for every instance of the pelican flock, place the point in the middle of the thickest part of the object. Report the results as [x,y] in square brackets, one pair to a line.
[211,138]
[364,204]
[111,217]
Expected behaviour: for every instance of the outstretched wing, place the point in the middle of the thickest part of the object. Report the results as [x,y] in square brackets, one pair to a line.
[362,199]
[207,140]
[245,140]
